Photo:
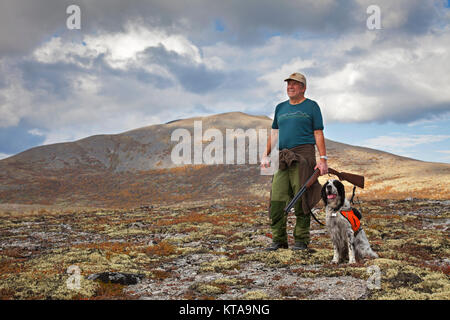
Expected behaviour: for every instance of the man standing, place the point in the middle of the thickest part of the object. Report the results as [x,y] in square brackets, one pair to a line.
[297,126]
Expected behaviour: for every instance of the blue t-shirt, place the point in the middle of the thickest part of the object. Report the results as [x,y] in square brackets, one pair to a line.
[296,123]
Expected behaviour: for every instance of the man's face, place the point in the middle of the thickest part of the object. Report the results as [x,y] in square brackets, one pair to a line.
[295,89]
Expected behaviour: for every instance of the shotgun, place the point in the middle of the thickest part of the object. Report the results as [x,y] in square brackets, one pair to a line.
[308,184]
[354,179]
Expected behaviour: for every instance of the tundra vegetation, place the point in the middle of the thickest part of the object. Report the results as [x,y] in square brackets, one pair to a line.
[213,250]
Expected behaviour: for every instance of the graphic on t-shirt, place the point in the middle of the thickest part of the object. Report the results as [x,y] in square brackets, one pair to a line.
[291,115]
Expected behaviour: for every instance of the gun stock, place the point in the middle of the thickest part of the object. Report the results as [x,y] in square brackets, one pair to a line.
[354,179]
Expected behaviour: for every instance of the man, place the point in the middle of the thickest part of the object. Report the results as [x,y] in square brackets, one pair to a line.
[297,126]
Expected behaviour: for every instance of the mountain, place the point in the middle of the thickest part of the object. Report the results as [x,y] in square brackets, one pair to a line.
[135,167]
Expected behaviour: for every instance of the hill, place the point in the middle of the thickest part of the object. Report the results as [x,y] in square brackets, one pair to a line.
[135,167]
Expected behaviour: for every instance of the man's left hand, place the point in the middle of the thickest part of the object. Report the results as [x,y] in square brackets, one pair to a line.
[323,167]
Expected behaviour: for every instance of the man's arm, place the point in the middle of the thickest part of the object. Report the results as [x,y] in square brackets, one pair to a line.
[271,141]
[320,143]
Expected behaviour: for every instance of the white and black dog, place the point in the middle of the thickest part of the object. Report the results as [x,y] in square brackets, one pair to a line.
[346,241]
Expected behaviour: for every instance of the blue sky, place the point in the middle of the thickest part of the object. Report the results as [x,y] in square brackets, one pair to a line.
[137,63]
[427,141]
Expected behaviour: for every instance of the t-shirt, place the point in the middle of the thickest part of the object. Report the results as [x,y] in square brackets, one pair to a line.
[296,123]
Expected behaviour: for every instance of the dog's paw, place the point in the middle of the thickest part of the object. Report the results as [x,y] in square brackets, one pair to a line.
[335,261]
[351,261]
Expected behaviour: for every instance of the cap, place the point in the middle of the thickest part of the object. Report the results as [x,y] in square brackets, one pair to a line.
[297,76]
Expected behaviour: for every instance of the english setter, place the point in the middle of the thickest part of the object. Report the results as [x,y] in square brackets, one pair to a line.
[346,241]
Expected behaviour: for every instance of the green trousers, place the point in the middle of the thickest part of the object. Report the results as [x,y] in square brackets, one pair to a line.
[285,185]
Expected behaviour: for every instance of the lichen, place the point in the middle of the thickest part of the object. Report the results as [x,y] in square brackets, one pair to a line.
[170,247]
[218,265]
[255,295]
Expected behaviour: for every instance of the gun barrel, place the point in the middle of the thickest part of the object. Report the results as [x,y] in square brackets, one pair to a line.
[294,200]
[307,184]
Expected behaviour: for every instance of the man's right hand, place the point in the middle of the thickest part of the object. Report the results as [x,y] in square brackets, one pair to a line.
[265,162]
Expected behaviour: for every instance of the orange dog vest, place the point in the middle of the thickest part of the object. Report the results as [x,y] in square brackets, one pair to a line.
[353,219]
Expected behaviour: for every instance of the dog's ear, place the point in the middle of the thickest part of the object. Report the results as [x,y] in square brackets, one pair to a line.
[324,194]
[340,188]
[341,192]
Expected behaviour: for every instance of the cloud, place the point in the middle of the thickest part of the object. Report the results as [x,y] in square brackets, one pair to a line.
[18,138]
[139,63]
[36,132]
[247,22]
[402,143]
[4,155]
[446,156]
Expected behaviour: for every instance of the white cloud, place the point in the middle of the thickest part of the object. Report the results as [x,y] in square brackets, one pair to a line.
[445,157]
[4,156]
[362,76]
[392,82]
[36,132]
[124,47]
[379,84]
[57,50]
[401,143]
[275,78]
[15,101]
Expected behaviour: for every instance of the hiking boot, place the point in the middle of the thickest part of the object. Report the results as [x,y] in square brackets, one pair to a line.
[300,246]
[275,246]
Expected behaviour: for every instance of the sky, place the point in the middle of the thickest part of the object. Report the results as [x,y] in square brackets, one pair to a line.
[137,63]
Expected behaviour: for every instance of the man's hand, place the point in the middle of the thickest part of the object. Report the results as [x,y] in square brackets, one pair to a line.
[323,167]
[265,162]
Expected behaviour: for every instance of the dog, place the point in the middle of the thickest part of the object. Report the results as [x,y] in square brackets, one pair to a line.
[347,242]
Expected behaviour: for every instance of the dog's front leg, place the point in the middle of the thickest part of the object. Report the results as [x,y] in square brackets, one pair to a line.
[351,247]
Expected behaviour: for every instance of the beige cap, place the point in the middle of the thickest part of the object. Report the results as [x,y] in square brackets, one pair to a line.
[297,76]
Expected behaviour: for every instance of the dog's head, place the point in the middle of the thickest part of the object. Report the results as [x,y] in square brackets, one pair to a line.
[333,194]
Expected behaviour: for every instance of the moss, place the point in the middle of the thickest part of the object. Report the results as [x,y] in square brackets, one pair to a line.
[255,295]
[284,257]
[123,232]
[227,281]
[383,263]
[219,265]
[31,285]
[403,294]
[276,258]
[411,257]
[437,284]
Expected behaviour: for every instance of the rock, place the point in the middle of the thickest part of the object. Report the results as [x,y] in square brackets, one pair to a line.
[259,283]
[117,277]
[137,225]
[405,279]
